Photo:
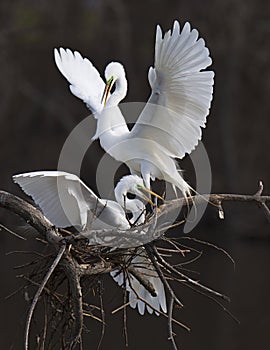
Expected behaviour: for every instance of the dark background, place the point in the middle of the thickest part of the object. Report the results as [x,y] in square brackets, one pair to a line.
[37,113]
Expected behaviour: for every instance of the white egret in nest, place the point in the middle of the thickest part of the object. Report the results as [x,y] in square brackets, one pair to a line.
[66,201]
[169,126]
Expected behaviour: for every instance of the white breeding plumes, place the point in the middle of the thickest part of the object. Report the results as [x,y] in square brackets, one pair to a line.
[170,124]
[66,201]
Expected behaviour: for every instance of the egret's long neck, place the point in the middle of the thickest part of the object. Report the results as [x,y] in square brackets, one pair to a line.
[119,93]
[111,125]
[135,206]
[138,214]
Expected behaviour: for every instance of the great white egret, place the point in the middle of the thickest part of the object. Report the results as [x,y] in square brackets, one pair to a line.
[66,201]
[170,124]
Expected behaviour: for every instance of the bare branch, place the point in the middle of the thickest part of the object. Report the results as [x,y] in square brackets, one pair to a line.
[11,232]
[260,190]
[186,278]
[143,280]
[31,216]
[170,329]
[135,236]
[102,314]
[266,210]
[150,251]
[72,272]
[84,259]
[38,293]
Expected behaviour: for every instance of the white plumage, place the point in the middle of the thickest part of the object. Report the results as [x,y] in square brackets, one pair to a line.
[170,124]
[66,201]
[134,287]
[81,74]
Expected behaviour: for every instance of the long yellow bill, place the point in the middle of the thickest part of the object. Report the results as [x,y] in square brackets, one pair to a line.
[106,91]
[144,189]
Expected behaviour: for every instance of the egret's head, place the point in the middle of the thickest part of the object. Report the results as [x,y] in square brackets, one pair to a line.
[133,184]
[113,72]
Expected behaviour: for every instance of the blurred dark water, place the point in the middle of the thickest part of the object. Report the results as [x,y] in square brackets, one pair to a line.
[37,113]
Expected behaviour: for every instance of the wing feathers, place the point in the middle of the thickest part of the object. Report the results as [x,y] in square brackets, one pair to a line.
[85,81]
[63,198]
[144,266]
[181,89]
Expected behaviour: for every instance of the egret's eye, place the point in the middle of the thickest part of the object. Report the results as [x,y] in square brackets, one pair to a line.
[131,195]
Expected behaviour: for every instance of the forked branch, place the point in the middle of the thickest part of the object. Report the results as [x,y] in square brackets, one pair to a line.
[70,256]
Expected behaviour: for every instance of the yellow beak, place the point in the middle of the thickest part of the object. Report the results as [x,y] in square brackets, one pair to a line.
[106,91]
[144,189]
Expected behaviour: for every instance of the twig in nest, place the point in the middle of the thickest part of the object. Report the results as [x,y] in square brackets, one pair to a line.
[125,310]
[214,300]
[170,328]
[72,273]
[44,333]
[101,264]
[186,278]
[48,291]
[100,291]
[143,280]
[38,293]
[150,248]
[12,232]
[174,242]
[266,210]
[213,246]
[152,252]
[153,308]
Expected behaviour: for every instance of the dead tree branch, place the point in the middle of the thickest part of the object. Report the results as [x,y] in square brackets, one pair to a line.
[78,256]
[38,294]
[31,216]
[73,274]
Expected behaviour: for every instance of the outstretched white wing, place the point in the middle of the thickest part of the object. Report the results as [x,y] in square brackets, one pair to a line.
[63,198]
[85,81]
[181,92]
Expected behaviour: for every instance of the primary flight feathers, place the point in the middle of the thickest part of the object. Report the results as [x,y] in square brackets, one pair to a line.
[170,124]
[66,201]
[168,127]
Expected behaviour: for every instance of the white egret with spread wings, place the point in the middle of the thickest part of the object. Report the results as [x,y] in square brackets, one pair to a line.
[66,201]
[169,126]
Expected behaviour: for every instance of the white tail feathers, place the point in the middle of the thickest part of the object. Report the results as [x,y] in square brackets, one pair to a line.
[139,296]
